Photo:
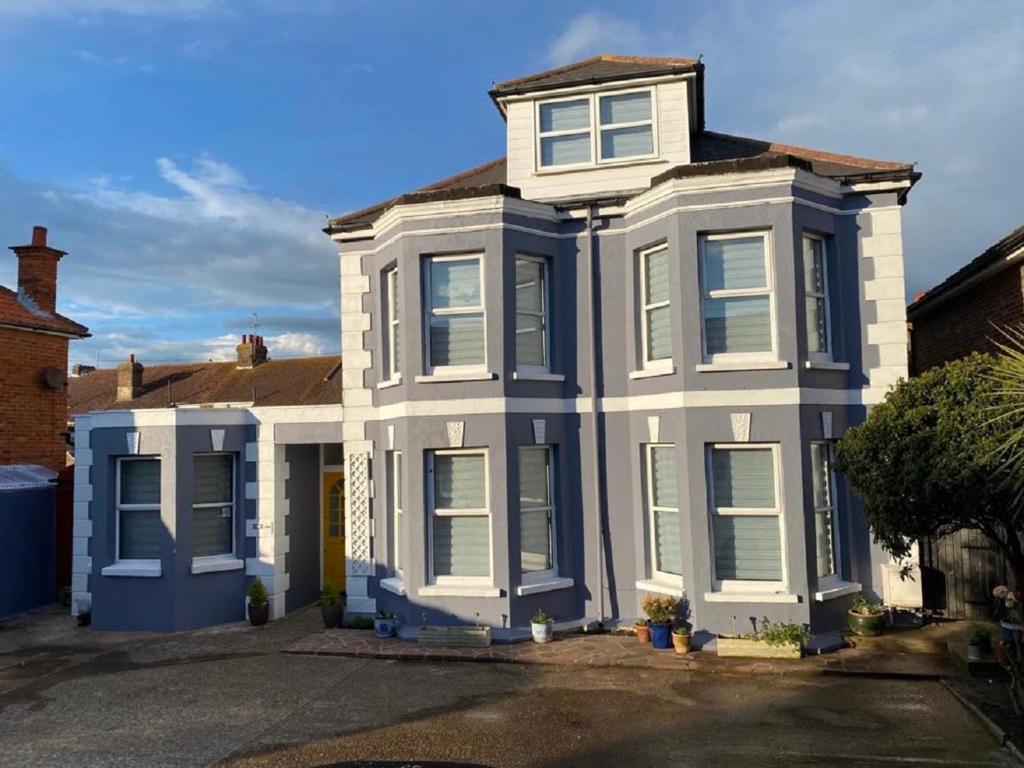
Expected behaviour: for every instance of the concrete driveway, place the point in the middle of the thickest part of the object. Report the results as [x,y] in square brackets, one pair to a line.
[71,697]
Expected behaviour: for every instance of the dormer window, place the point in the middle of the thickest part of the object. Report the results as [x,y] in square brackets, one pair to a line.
[625,129]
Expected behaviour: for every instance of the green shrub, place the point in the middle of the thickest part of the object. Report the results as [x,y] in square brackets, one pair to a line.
[781,633]
[257,592]
[540,617]
[660,609]
[865,607]
[359,622]
[330,595]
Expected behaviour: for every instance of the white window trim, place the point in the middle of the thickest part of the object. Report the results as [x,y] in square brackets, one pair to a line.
[662,364]
[213,560]
[657,575]
[147,564]
[395,467]
[743,586]
[548,574]
[526,371]
[770,355]
[828,355]
[828,581]
[471,582]
[391,325]
[439,372]
[594,130]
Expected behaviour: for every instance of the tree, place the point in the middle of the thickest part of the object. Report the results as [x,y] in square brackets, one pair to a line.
[930,460]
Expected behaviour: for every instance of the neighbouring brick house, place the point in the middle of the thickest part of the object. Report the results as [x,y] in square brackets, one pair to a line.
[34,360]
[963,313]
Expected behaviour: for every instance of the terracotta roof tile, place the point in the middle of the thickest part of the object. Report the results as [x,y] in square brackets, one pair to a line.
[15,312]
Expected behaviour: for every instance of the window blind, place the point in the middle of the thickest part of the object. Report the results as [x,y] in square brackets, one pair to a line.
[140,534]
[747,548]
[627,142]
[824,509]
[212,526]
[665,510]
[459,481]
[658,319]
[743,478]
[565,115]
[462,546]
[815,288]
[457,339]
[565,150]
[625,108]
[140,481]
[454,283]
[535,512]
[667,541]
[740,324]
[663,475]
[530,313]
[734,264]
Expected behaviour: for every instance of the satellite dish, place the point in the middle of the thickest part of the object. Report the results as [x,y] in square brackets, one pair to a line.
[54,378]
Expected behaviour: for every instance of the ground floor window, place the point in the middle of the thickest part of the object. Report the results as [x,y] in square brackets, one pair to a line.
[213,504]
[460,515]
[823,491]
[536,513]
[745,514]
[395,487]
[139,529]
[663,511]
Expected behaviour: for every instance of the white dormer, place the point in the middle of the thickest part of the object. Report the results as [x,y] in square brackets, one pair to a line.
[601,126]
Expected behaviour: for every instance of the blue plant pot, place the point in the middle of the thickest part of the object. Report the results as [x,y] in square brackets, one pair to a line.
[661,635]
[384,627]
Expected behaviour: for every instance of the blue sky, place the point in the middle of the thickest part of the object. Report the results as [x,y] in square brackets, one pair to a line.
[186,152]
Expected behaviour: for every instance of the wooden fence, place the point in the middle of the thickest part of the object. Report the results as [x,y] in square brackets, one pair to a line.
[959,573]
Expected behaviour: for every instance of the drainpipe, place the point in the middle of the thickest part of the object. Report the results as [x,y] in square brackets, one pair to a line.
[594,298]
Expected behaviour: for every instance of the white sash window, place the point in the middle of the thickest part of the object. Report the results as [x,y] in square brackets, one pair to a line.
[460,516]
[455,314]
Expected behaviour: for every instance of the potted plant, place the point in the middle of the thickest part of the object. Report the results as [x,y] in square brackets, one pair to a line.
[541,626]
[980,644]
[681,639]
[771,641]
[866,619]
[259,605]
[384,624]
[661,614]
[643,631]
[331,610]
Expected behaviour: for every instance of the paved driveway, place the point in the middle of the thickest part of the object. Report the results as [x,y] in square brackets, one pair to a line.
[73,697]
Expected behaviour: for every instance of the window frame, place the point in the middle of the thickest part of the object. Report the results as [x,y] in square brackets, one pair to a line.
[233,554]
[120,506]
[545,315]
[647,362]
[535,577]
[707,295]
[594,131]
[657,574]
[835,577]
[445,580]
[391,324]
[746,585]
[829,354]
[430,312]
[394,466]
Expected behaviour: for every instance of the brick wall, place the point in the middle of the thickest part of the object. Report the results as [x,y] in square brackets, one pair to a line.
[968,321]
[32,416]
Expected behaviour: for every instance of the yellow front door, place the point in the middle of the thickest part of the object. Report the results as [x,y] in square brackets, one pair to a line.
[333,506]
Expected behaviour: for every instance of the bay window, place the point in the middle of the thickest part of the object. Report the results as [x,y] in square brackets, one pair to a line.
[663,512]
[745,515]
[139,529]
[394,467]
[823,492]
[459,515]
[392,339]
[455,313]
[531,314]
[656,322]
[213,505]
[536,514]
[736,283]
[819,342]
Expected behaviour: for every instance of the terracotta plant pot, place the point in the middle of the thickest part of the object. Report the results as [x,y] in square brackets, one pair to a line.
[866,624]
[643,633]
[258,614]
[332,614]
[681,642]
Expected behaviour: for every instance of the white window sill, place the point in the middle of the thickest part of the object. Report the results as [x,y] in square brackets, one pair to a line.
[390,383]
[661,587]
[650,373]
[538,376]
[750,597]
[395,585]
[825,365]
[216,563]
[836,589]
[456,590]
[552,170]
[550,585]
[744,365]
[145,569]
[437,378]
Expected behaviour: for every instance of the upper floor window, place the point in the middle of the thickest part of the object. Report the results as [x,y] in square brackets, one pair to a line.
[531,314]
[625,129]
[392,339]
[455,313]
[656,323]
[736,280]
[819,336]
[663,512]
[138,526]
[213,505]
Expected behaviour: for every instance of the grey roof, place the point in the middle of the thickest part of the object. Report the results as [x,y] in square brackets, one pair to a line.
[597,69]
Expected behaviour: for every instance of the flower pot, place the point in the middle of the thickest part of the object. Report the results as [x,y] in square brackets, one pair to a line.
[681,642]
[643,633]
[332,614]
[543,632]
[866,624]
[749,648]
[258,614]
[384,626]
[661,635]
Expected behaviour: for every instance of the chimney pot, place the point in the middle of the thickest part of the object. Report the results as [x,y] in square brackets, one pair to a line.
[39,236]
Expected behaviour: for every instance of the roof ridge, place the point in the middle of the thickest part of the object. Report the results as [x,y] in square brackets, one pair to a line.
[462,174]
[618,58]
[775,146]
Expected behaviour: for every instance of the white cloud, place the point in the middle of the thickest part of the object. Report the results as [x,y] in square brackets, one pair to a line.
[596,32]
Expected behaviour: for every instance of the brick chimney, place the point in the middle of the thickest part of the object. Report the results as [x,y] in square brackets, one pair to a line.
[37,272]
[251,352]
[129,380]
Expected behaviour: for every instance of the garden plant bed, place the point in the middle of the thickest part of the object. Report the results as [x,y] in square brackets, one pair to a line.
[748,647]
